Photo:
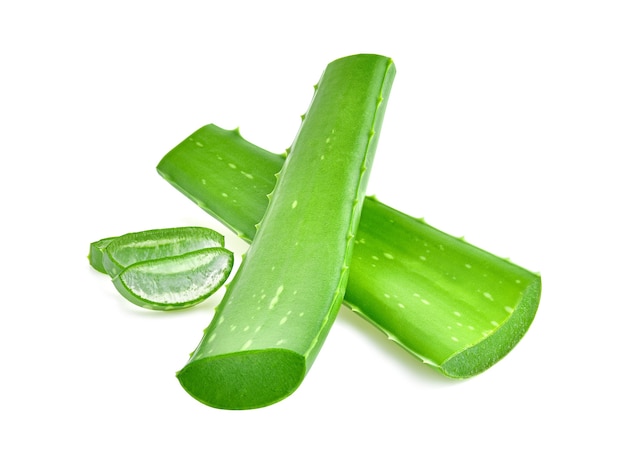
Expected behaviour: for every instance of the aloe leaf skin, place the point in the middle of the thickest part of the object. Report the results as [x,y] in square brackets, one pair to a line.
[278,309]
[458,308]
[177,282]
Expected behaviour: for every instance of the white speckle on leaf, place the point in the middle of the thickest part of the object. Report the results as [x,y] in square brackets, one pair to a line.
[274,300]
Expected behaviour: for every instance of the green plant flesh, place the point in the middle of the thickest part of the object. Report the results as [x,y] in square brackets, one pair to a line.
[131,248]
[455,306]
[164,269]
[177,282]
[280,305]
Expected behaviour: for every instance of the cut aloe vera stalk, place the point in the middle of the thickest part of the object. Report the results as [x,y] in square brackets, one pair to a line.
[458,308]
[177,282]
[278,310]
[130,248]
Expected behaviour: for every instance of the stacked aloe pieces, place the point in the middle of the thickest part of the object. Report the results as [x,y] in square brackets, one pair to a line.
[316,241]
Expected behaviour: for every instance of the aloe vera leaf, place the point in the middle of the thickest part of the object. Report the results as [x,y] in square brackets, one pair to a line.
[123,251]
[278,310]
[175,282]
[458,308]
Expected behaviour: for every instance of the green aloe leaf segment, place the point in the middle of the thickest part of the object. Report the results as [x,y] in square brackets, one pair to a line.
[277,311]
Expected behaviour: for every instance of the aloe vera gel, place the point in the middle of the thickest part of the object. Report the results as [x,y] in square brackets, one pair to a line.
[164,269]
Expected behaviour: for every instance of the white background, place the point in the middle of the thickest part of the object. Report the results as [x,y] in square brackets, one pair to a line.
[506,124]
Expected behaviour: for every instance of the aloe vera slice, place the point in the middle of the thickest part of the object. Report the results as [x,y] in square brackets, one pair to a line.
[458,308]
[164,269]
[176,282]
[278,310]
[123,251]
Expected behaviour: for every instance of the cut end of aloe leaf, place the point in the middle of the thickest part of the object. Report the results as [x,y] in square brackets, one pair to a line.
[96,254]
[175,282]
[484,354]
[244,380]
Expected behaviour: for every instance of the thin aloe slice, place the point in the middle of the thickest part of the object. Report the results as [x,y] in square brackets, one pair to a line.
[131,248]
[164,269]
[177,282]
[457,307]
